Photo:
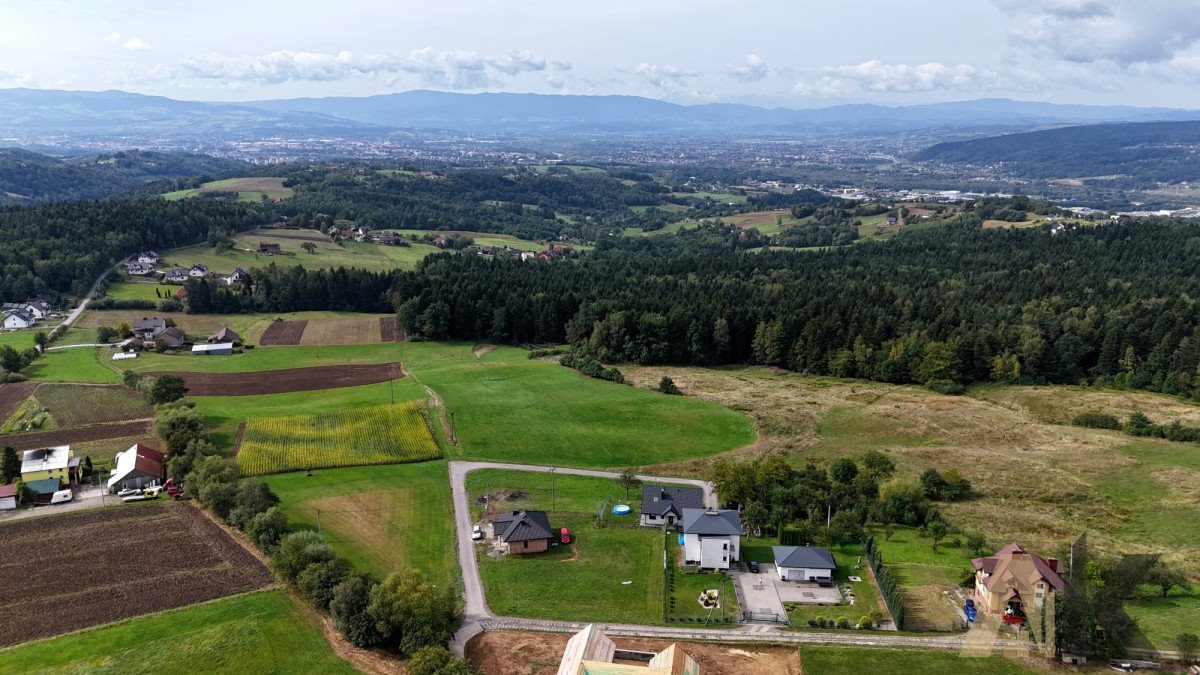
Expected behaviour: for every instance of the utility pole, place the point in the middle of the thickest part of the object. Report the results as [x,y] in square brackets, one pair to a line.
[319,522]
[392,390]
[553,505]
[487,497]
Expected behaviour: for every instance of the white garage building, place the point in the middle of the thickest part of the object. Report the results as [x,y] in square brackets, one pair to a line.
[804,563]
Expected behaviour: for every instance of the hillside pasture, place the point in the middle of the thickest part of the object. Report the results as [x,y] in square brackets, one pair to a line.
[249,189]
[327,254]
[506,407]
[386,434]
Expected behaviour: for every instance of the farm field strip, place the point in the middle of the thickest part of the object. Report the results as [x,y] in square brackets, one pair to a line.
[386,434]
[283,333]
[94,432]
[104,577]
[284,380]
[349,331]
[12,395]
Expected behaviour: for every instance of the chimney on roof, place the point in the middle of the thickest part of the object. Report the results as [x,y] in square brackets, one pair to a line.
[1053,563]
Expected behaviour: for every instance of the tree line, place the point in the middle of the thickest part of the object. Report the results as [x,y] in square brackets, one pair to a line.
[1112,304]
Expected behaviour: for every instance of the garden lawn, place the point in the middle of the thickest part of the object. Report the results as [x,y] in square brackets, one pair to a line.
[1161,619]
[689,586]
[79,364]
[260,632]
[837,660]
[570,493]
[923,575]
[141,290]
[20,340]
[583,580]
[381,518]
[509,408]
[267,358]
[866,600]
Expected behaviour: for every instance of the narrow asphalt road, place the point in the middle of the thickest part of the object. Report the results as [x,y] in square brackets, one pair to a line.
[478,618]
[90,294]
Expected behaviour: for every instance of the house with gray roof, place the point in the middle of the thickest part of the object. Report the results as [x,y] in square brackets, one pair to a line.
[664,505]
[804,563]
[523,531]
[711,538]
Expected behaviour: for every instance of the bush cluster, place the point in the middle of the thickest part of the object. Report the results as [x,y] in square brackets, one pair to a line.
[1096,420]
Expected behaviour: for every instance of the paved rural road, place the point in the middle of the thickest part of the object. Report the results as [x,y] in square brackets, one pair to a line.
[90,294]
[477,618]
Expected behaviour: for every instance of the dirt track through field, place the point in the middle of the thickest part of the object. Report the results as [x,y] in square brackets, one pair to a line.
[286,380]
[290,234]
[95,432]
[127,561]
[283,333]
[387,329]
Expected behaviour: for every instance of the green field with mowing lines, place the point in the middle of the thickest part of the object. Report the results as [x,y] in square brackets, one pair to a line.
[79,364]
[387,434]
[364,255]
[140,290]
[380,518]
[260,632]
[847,660]
[509,408]
[20,340]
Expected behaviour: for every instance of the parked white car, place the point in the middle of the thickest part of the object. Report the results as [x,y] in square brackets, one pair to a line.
[128,492]
[477,533]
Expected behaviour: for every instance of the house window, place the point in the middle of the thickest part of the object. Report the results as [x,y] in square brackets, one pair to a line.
[524,544]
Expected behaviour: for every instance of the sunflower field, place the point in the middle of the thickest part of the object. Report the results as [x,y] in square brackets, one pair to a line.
[385,434]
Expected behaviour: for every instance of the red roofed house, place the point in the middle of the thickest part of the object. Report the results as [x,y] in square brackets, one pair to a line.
[136,468]
[1012,579]
[8,497]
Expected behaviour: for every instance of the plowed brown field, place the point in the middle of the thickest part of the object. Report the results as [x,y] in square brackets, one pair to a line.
[288,379]
[94,432]
[86,568]
[283,333]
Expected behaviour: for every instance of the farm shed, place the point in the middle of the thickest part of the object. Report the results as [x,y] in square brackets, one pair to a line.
[804,563]
[124,356]
[8,497]
[663,505]
[136,468]
[221,349]
[226,334]
[46,463]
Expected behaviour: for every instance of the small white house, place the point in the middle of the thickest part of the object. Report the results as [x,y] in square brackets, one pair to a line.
[804,563]
[198,271]
[17,318]
[664,505]
[38,308]
[148,257]
[218,349]
[711,539]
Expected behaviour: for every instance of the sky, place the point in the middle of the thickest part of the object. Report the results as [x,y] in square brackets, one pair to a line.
[794,53]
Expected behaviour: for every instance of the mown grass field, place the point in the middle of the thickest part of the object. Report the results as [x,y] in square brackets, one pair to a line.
[20,340]
[387,434]
[486,239]
[251,189]
[380,518]
[140,290]
[79,364]
[925,575]
[507,407]
[260,632]
[848,660]
[377,257]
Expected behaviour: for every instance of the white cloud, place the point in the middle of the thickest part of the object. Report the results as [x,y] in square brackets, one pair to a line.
[1123,32]
[13,79]
[452,69]
[879,77]
[132,44]
[754,69]
[663,77]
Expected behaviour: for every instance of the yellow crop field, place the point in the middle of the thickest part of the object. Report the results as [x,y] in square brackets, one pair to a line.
[386,434]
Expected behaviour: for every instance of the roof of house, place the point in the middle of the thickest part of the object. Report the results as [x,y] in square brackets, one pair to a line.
[39,303]
[702,521]
[8,490]
[591,652]
[659,500]
[177,272]
[44,486]
[46,459]
[226,334]
[812,557]
[20,314]
[149,324]
[1012,566]
[200,267]
[523,526]
[172,336]
[137,458]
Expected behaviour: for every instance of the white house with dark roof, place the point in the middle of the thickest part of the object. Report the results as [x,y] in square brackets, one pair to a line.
[176,275]
[804,563]
[664,505]
[711,539]
[148,257]
[38,308]
[17,318]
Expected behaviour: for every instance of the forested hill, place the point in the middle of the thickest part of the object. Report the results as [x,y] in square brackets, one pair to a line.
[1142,153]
[954,305]
[62,248]
[29,177]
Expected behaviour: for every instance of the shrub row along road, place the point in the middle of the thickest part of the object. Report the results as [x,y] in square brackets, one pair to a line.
[477,618]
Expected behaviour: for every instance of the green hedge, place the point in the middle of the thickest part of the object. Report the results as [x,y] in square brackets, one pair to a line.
[887,585]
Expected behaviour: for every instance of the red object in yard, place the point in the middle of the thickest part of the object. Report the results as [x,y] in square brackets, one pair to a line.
[173,490]
[566,537]
[1013,619]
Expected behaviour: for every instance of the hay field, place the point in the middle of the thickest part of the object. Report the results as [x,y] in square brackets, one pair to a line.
[363,330]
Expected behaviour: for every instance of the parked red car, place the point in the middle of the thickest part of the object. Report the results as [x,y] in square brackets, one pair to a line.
[566,536]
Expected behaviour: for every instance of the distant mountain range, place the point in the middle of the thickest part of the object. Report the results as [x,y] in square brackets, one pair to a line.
[1134,155]
[154,120]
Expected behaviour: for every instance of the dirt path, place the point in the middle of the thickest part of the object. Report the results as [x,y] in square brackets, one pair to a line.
[480,350]
[237,440]
[435,400]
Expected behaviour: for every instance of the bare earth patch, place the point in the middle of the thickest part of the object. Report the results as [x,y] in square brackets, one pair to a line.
[530,653]
[283,333]
[480,350]
[287,379]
